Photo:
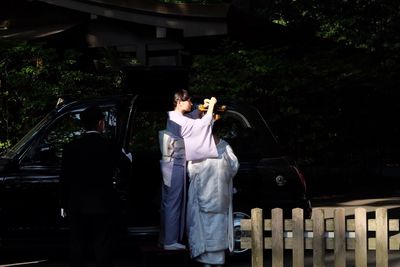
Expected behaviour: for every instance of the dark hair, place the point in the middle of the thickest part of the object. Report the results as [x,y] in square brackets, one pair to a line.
[91,116]
[180,95]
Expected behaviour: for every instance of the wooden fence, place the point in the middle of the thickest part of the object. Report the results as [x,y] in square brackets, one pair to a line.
[320,234]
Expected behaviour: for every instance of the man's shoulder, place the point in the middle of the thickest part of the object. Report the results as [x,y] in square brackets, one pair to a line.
[90,140]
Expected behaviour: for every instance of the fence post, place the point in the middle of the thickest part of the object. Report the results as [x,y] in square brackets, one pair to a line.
[340,237]
[298,237]
[318,238]
[360,216]
[277,238]
[257,238]
[381,237]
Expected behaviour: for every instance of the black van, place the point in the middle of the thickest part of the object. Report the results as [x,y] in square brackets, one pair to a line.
[29,171]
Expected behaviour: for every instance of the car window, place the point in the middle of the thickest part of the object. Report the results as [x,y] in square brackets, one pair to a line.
[19,146]
[238,132]
[145,128]
[48,149]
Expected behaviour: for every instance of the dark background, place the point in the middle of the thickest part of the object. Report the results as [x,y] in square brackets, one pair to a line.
[325,75]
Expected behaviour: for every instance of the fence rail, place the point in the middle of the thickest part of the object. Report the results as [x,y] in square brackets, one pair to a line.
[320,234]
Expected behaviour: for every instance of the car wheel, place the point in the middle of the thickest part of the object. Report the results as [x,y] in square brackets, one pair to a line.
[237,232]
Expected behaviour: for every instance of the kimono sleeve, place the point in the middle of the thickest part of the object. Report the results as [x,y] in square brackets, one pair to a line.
[232,159]
[199,142]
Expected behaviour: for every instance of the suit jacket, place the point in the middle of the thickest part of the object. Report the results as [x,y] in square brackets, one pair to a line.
[86,180]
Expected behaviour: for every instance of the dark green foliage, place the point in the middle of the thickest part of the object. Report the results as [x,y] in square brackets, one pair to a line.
[330,89]
[369,24]
[33,77]
[326,103]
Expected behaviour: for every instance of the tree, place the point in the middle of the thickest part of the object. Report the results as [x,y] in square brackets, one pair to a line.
[33,77]
[325,102]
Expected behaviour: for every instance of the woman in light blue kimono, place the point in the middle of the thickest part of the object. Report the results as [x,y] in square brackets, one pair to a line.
[187,137]
[209,212]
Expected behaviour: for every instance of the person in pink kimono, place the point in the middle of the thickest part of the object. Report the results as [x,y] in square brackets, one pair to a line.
[187,137]
[209,211]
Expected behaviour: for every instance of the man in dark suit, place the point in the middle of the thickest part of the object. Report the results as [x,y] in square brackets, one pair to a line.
[87,193]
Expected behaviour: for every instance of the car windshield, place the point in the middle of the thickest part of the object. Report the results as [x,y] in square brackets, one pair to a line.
[17,148]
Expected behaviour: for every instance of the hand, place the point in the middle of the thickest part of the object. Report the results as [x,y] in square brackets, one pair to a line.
[212,101]
[63,213]
[206,102]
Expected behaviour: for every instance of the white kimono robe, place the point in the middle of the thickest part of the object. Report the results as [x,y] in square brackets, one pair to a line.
[209,213]
[186,137]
